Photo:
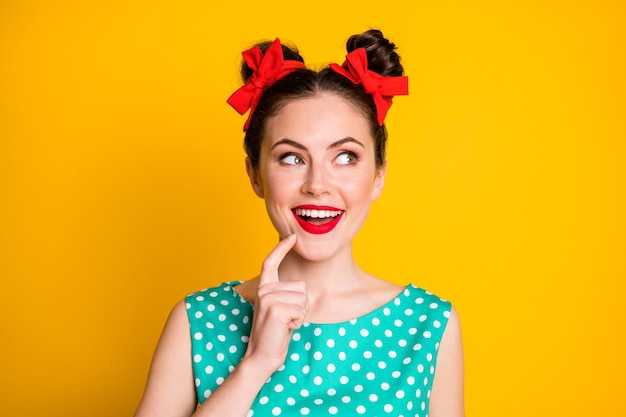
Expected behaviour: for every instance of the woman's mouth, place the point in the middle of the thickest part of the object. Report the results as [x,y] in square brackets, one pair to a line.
[317,220]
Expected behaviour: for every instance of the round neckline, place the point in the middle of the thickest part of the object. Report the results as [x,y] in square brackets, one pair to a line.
[404,292]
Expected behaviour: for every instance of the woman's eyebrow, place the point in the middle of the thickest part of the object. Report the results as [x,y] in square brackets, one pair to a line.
[345,140]
[289,142]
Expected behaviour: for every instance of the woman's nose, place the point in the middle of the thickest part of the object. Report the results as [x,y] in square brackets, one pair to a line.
[317,181]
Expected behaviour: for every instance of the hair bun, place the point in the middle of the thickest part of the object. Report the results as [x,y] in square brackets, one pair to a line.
[381,53]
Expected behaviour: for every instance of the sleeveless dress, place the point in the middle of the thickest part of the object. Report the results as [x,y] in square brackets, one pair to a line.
[379,364]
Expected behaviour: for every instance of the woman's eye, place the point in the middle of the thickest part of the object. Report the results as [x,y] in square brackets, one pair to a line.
[291,159]
[346,158]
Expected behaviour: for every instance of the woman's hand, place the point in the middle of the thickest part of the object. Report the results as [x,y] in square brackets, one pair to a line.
[280,308]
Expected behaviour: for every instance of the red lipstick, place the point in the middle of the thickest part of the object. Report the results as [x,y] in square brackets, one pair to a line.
[317,220]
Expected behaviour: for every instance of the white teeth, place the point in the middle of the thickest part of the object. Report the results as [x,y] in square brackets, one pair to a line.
[318,214]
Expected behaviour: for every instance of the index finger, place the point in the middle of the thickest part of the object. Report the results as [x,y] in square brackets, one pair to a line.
[269,270]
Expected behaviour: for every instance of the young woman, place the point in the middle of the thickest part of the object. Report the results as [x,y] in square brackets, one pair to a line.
[313,334]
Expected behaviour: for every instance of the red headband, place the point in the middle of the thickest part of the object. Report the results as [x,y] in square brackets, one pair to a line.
[382,89]
[266,70]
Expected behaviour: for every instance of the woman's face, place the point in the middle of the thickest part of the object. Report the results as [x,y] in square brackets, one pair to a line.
[317,174]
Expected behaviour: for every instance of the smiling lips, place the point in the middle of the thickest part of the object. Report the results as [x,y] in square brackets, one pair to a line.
[317,219]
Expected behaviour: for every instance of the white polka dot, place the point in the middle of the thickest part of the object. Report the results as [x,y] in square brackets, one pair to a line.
[210,307]
[446,314]
[318,401]
[333,410]
[418,346]
[364,332]
[410,380]
[388,333]
[423,406]
[406,361]
[427,334]
[396,302]
[246,319]
[293,379]
[399,394]
[304,392]
[235,311]
[434,305]
[207,393]
[418,393]
[331,392]
[384,386]
[378,344]
[341,331]
[420,368]
[422,318]
[429,357]
[188,306]
[317,356]
[353,344]
[221,317]
[295,357]
[213,294]
[233,327]
[432,370]
[291,401]
[219,381]
[209,346]
[367,354]
[330,343]
[208,369]
[198,314]
[370,376]
[358,388]
[396,374]
[296,336]
[360,409]
[224,302]
[425,381]
[232,349]
[397,323]
[306,369]
[346,399]
[304,411]
[402,342]
[388,408]
[342,356]
[197,358]
[344,380]
[200,298]
[307,346]
[317,380]
[375,321]
[437,324]
[386,311]
[197,382]
[330,368]
[317,331]
[220,357]
[412,331]
[221,337]
[392,354]
[197,336]
[279,388]
[409,405]
[373,398]
[419,300]
[382,365]
[276,411]
[245,339]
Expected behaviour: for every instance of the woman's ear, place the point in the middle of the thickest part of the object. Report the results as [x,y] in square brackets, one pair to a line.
[379,181]
[255,179]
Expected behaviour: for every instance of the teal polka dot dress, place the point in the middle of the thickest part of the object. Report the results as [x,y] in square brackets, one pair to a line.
[379,364]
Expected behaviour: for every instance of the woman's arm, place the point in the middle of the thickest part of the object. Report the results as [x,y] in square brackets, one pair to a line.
[446,399]
[170,390]
[279,309]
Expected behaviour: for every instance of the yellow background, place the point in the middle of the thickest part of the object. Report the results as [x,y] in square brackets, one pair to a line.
[122,187]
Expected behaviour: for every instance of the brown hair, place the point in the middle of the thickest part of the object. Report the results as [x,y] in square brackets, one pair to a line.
[302,83]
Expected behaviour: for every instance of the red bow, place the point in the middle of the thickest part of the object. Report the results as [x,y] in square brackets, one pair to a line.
[266,70]
[382,89]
